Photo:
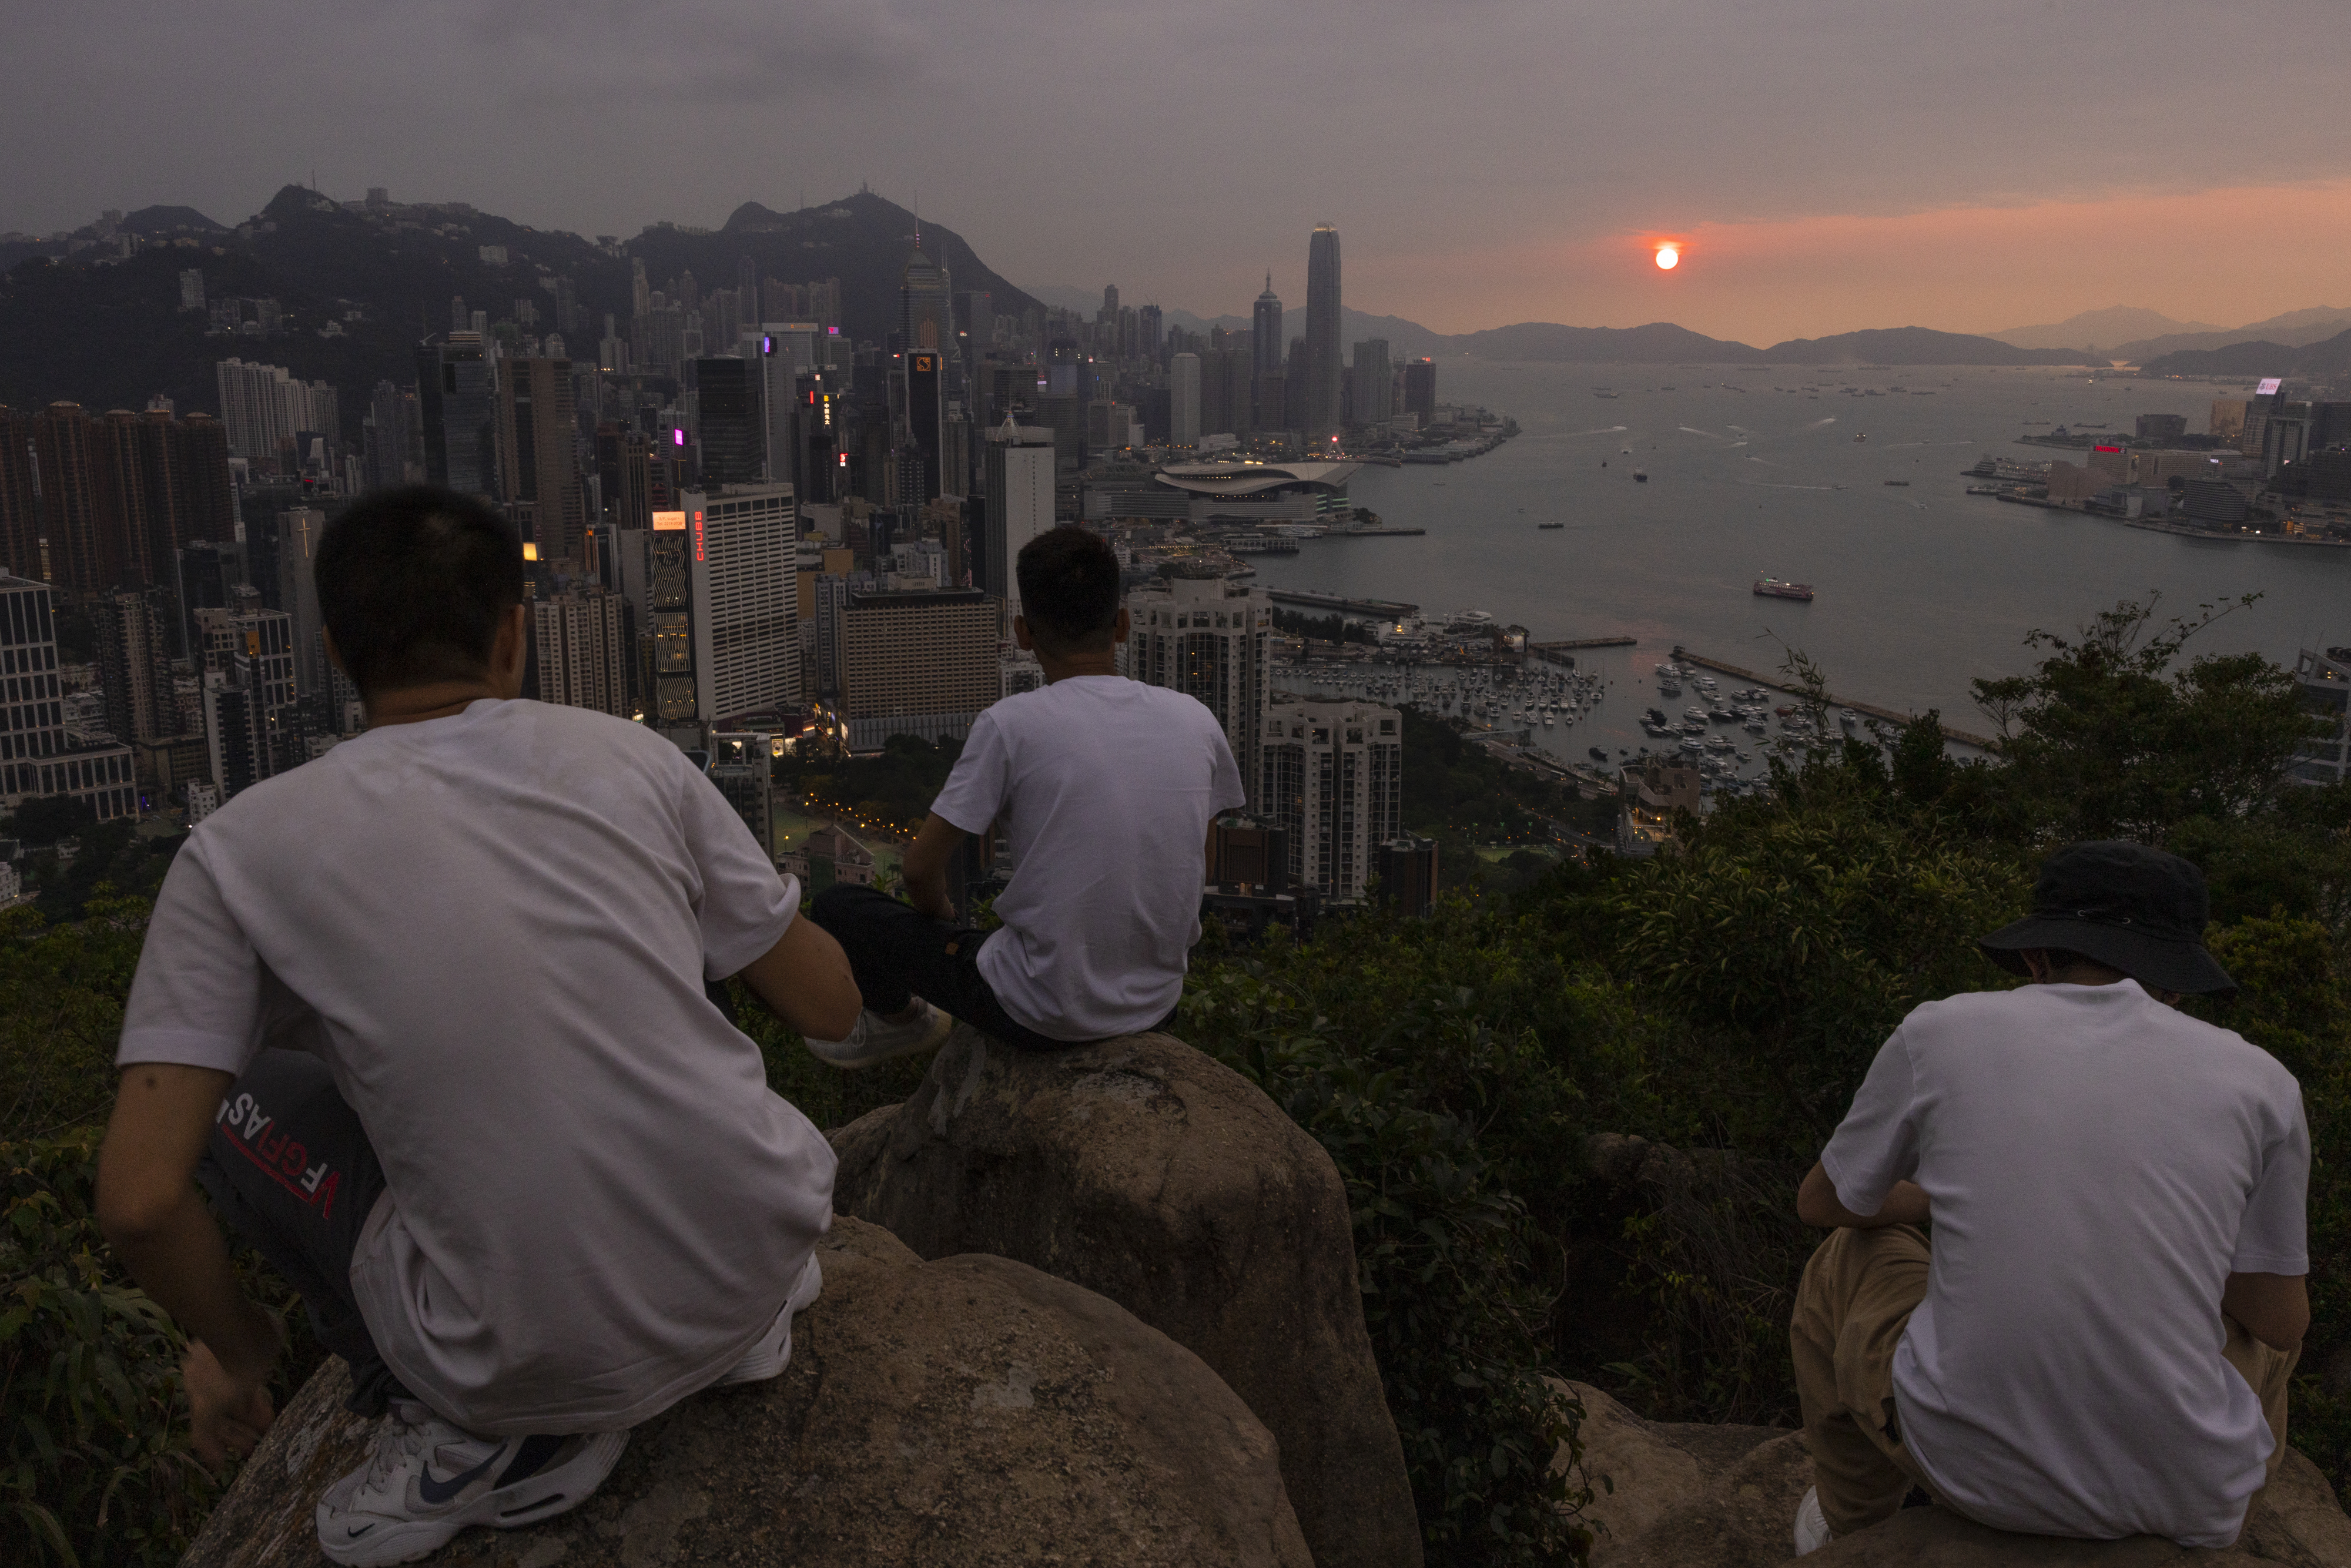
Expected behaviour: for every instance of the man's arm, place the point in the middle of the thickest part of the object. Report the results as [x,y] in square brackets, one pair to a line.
[2274,1308]
[148,1208]
[1817,1205]
[925,867]
[806,981]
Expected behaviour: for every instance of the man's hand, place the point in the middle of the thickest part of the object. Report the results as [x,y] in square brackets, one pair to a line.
[148,1208]
[925,867]
[229,1413]
[806,981]
[1817,1205]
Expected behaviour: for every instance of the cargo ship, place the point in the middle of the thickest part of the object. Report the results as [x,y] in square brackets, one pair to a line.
[1773,588]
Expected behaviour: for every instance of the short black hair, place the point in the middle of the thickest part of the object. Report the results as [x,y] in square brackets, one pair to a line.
[412,582]
[1068,590]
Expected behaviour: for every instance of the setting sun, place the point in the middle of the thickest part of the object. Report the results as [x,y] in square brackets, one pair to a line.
[1668,256]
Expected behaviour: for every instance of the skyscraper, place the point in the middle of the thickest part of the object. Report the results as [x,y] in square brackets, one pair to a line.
[926,307]
[1019,506]
[582,656]
[1184,400]
[1322,361]
[20,519]
[1371,383]
[1420,390]
[264,405]
[1265,332]
[134,664]
[384,446]
[37,756]
[83,557]
[537,473]
[922,665]
[1198,636]
[743,547]
[455,386]
[1333,780]
[734,434]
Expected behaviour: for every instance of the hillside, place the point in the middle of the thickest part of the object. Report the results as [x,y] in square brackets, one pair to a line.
[2329,358]
[109,334]
[2114,324]
[1913,346]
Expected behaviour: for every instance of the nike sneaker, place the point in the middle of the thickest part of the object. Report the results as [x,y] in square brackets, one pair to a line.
[429,1479]
[774,1351]
[875,1039]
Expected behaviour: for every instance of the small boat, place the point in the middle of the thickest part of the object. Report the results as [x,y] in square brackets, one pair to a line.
[1773,588]
[1599,753]
[1899,484]
[1550,525]
[1640,476]
[1861,436]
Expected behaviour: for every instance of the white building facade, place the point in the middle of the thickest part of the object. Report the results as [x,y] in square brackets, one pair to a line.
[1212,642]
[1332,779]
[742,550]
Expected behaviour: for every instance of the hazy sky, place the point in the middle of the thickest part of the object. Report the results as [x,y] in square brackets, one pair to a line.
[1968,164]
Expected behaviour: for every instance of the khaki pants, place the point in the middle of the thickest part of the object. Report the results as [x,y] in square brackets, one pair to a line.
[1858,1293]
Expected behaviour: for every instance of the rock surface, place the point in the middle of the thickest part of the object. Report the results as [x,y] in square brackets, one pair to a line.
[1694,1496]
[1141,1170]
[966,1411]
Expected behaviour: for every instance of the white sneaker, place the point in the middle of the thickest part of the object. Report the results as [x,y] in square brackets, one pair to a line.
[1811,1526]
[774,1351]
[875,1039]
[428,1479]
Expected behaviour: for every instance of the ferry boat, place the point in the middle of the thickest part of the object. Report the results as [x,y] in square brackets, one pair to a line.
[1773,588]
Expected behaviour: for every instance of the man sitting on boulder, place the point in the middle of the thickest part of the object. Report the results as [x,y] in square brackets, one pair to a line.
[530,1182]
[2099,1341]
[1105,788]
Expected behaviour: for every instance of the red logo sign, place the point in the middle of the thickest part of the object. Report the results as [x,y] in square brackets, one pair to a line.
[697,535]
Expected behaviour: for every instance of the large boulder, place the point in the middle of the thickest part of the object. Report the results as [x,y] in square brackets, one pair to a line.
[1140,1168]
[967,1411]
[1695,1496]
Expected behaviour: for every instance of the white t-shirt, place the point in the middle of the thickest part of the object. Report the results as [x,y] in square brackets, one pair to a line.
[2098,1165]
[495,928]
[1105,788]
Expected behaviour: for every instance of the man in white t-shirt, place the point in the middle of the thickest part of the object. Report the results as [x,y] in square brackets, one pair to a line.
[2098,1342]
[1105,789]
[426,1019]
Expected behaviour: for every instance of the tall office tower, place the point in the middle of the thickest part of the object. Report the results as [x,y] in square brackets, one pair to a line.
[74,509]
[922,665]
[1229,370]
[657,337]
[1420,390]
[1196,636]
[1019,505]
[134,664]
[539,476]
[734,432]
[20,513]
[976,321]
[1371,383]
[264,405]
[1110,300]
[745,600]
[1184,401]
[460,319]
[384,436]
[623,477]
[927,413]
[1322,361]
[925,305]
[1149,333]
[613,349]
[1107,420]
[250,727]
[211,489]
[1333,780]
[38,755]
[1293,381]
[296,533]
[831,597]
[457,389]
[1265,332]
[209,570]
[580,637]
[639,288]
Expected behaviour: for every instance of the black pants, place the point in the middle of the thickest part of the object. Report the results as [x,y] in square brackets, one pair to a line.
[898,953]
[290,1171]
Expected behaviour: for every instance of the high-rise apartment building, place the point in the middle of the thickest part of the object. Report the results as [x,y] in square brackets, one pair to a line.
[264,405]
[1333,780]
[743,548]
[38,756]
[85,555]
[922,665]
[1265,333]
[1323,319]
[538,474]
[580,640]
[20,515]
[456,388]
[387,450]
[1184,401]
[1019,507]
[1212,642]
[134,664]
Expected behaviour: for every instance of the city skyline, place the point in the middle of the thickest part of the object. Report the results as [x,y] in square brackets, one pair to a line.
[1826,170]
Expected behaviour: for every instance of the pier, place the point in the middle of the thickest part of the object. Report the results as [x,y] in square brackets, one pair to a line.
[1378,609]
[1564,652]
[1780,683]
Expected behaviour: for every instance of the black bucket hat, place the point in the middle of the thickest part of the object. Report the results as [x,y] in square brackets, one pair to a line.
[2134,909]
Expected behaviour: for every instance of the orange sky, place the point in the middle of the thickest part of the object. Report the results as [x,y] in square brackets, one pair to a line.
[2226,257]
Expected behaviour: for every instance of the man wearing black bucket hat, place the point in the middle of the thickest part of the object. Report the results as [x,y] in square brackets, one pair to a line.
[2098,1342]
